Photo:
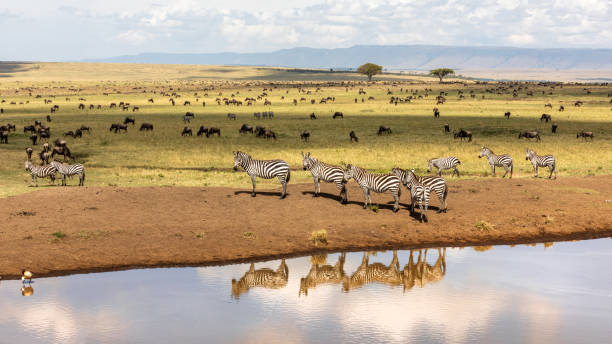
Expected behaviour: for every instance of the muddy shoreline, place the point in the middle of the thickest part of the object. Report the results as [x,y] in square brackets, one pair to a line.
[124,228]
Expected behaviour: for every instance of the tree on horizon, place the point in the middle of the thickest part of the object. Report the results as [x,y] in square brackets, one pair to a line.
[369,69]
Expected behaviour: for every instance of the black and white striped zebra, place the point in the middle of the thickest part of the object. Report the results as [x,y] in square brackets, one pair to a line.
[327,173]
[541,161]
[70,170]
[419,193]
[40,172]
[503,160]
[266,169]
[436,184]
[444,164]
[374,182]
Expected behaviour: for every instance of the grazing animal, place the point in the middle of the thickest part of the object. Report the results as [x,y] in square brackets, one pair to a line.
[266,169]
[265,277]
[44,157]
[545,117]
[419,193]
[541,161]
[231,116]
[325,172]
[313,116]
[187,102]
[448,163]
[530,135]
[146,127]
[85,128]
[29,128]
[305,136]
[507,114]
[353,137]
[48,118]
[269,134]
[585,135]
[63,150]
[245,128]
[34,138]
[135,108]
[128,120]
[3,137]
[463,134]
[338,115]
[383,129]
[186,131]
[69,133]
[29,151]
[561,108]
[260,131]
[548,105]
[36,172]
[70,170]
[436,184]
[202,131]
[118,127]
[374,182]
[503,160]
[554,128]
[212,130]
[446,128]
[436,112]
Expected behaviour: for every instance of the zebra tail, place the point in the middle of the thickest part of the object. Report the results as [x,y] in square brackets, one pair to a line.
[288,176]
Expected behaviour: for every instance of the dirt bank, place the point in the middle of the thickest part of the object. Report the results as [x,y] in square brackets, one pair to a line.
[112,228]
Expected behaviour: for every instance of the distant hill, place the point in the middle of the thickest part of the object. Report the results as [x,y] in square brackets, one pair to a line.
[406,57]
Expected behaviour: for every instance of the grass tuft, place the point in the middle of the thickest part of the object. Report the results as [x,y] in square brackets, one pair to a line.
[319,237]
[483,226]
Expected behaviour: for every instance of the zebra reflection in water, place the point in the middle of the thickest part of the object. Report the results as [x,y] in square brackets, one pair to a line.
[421,273]
[370,273]
[323,274]
[265,277]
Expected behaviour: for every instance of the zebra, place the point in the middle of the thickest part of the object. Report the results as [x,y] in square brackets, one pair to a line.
[444,164]
[436,184]
[419,193]
[503,160]
[70,170]
[372,273]
[327,173]
[40,172]
[266,169]
[265,277]
[377,182]
[323,274]
[541,161]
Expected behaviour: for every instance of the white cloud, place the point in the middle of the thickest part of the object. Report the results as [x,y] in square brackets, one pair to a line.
[135,36]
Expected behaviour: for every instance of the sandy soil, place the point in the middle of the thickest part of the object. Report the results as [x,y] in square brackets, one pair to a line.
[117,228]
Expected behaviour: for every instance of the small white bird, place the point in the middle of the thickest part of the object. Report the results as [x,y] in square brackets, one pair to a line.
[26,276]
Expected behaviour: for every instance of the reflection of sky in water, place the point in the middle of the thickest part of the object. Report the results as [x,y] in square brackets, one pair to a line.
[519,294]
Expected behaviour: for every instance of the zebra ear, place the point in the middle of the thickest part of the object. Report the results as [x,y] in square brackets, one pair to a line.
[308,154]
[303,155]
[235,153]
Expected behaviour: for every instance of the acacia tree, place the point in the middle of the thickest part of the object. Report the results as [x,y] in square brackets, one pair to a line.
[441,72]
[369,69]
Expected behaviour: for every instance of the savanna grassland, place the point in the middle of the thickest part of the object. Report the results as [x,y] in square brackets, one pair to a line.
[164,158]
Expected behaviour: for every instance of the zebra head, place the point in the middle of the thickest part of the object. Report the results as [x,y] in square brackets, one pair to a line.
[429,165]
[409,179]
[484,152]
[401,174]
[239,159]
[307,161]
[349,173]
[530,154]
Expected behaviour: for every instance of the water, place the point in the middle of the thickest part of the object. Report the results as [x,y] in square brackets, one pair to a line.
[557,294]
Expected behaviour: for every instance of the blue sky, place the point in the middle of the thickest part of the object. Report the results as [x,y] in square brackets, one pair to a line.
[72,30]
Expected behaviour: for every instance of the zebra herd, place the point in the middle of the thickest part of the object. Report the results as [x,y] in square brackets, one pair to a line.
[420,187]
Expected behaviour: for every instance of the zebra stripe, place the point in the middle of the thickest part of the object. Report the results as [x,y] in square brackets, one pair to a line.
[503,160]
[327,173]
[374,182]
[419,193]
[40,172]
[372,273]
[266,169]
[265,277]
[541,161]
[70,170]
[436,184]
[444,164]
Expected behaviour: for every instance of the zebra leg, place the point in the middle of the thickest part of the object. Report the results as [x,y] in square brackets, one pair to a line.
[64,180]
[396,205]
[439,172]
[507,170]
[365,198]
[32,182]
[284,183]
[455,170]
[493,169]
[317,186]
[253,181]
[535,170]
[552,169]
[342,188]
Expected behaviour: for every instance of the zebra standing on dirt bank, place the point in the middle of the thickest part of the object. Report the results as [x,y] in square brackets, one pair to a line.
[436,184]
[70,170]
[419,193]
[503,160]
[327,173]
[541,161]
[40,172]
[266,169]
[377,182]
[444,164]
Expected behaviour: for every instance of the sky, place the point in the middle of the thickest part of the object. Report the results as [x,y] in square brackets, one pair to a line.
[71,30]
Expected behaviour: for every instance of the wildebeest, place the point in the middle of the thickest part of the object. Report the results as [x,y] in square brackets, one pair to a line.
[85,128]
[463,134]
[29,128]
[260,131]
[554,128]
[34,138]
[151,100]
[128,120]
[548,105]
[231,116]
[37,123]
[29,151]
[436,112]
[186,131]
[78,133]
[305,135]
[69,133]
[578,103]
[81,106]
[245,128]
[561,108]
[585,135]
[446,128]
[118,127]
[202,131]
[530,135]
[545,117]
[62,151]
[44,157]
[313,116]
[383,129]
[338,115]
[212,130]
[187,102]
[48,118]
[269,134]
[146,127]
[507,114]
[3,136]
[135,108]
[353,136]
